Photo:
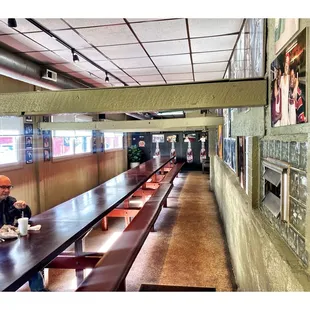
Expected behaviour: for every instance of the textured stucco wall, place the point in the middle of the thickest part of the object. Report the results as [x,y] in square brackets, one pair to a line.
[249,123]
[260,259]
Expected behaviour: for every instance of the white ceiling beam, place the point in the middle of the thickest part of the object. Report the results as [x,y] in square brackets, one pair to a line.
[190,96]
[137,126]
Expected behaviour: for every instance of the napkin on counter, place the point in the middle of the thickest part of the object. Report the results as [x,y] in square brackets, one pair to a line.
[36,227]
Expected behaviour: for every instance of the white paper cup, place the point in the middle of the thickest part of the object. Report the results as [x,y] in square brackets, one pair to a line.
[23,226]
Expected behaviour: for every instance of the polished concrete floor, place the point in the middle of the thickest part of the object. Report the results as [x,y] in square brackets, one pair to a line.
[188,247]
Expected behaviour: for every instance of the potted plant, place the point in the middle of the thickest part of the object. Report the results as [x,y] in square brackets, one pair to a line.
[134,156]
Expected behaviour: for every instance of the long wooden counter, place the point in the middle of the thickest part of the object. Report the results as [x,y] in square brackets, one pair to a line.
[67,223]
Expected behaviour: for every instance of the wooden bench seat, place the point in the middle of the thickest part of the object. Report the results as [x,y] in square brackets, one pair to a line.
[110,272]
[172,173]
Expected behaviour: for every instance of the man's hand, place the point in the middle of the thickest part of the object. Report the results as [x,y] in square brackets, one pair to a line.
[20,204]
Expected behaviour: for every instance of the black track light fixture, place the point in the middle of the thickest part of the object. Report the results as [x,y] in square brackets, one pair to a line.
[12,22]
[75,56]
[107,78]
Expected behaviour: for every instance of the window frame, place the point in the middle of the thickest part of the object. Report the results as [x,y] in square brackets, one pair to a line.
[115,148]
[71,156]
[19,164]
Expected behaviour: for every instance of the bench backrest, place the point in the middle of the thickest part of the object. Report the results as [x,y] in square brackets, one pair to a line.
[110,272]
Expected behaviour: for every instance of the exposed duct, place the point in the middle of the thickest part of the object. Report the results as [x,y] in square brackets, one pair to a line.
[138,116]
[24,70]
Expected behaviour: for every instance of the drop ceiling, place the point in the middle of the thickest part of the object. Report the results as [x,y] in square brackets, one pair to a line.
[133,51]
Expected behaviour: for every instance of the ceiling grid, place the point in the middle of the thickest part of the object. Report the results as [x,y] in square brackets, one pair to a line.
[133,51]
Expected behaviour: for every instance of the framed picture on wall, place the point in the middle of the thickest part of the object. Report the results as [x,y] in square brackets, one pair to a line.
[220,141]
[241,147]
[46,141]
[233,154]
[46,154]
[284,30]
[29,156]
[289,84]
[94,141]
[46,133]
[28,142]
[158,138]
[28,129]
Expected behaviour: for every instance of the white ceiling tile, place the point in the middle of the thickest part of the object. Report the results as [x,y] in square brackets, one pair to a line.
[142,71]
[108,65]
[211,56]
[46,57]
[5,29]
[203,27]
[102,73]
[213,44]
[208,76]
[92,54]
[53,23]
[133,84]
[152,83]
[160,30]
[86,65]
[65,54]
[175,69]
[167,47]
[68,67]
[123,51]
[125,78]
[90,22]
[148,78]
[72,38]
[178,76]
[212,66]
[161,61]
[21,43]
[46,40]
[108,35]
[133,63]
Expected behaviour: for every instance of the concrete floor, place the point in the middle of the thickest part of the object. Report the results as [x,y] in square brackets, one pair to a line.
[188,247]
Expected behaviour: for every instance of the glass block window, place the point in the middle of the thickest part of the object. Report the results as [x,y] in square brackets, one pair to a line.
[292,229]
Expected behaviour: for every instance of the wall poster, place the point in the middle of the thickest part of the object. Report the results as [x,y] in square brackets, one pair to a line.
[220,141]
[288,86]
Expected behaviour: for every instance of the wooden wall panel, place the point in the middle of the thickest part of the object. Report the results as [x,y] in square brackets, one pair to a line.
[111,163]
[8,85]
[63,180]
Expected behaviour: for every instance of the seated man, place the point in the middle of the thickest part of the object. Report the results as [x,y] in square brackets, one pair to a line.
[10,210]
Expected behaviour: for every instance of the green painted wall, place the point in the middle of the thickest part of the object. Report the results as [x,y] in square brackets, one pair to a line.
[261,260]
[249,123]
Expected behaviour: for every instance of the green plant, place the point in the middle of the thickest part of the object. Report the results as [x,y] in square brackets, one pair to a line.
[134,154]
